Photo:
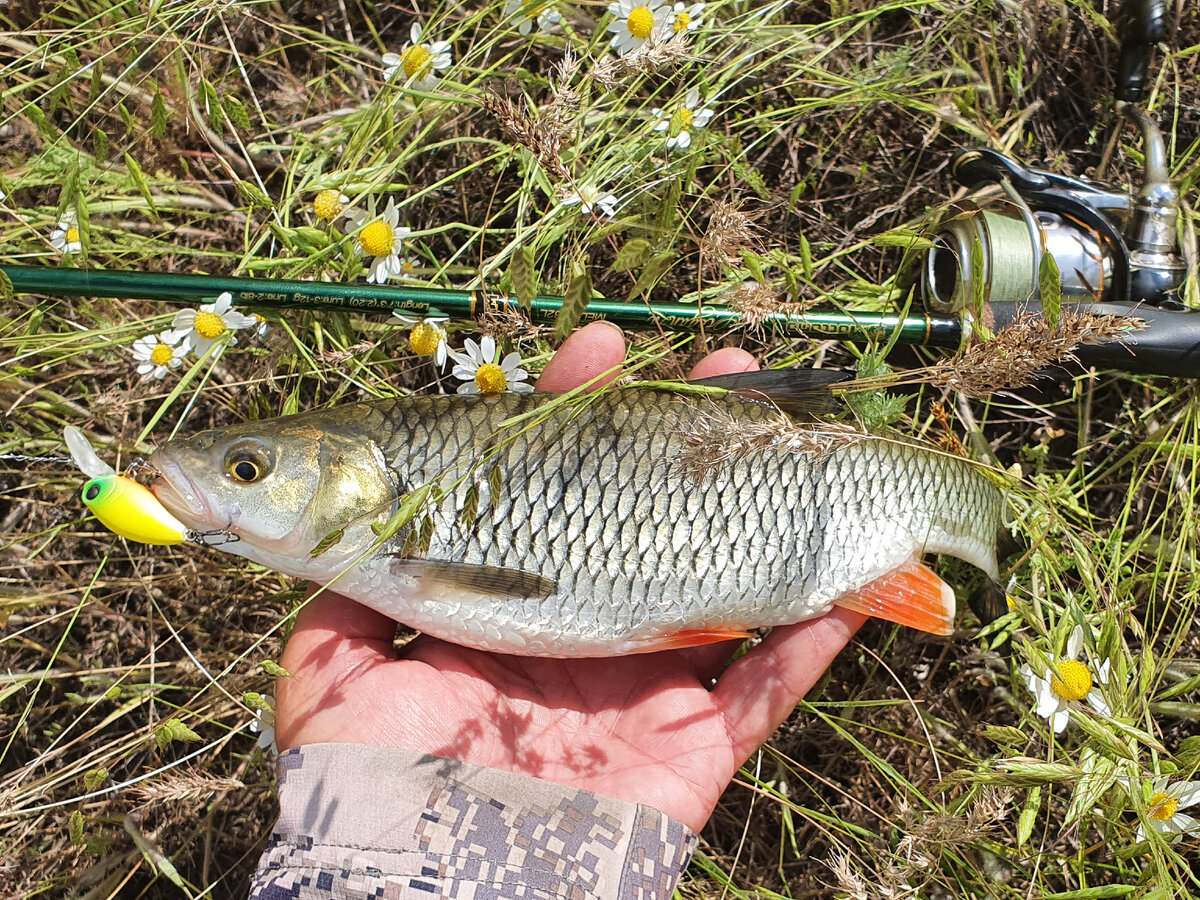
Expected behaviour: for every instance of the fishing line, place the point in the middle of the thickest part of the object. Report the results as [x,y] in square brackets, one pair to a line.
[20,457]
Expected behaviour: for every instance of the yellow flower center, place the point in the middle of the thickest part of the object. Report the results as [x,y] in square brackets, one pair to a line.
[259,318]
[1163,807]
[72,235]
[685,118]
[328,205]
[416,60]
[377,239]
[1073,680]
[640,22]
[490,379]
[209,325]
[407,267]
[161,354]
[424,340]
[682,21]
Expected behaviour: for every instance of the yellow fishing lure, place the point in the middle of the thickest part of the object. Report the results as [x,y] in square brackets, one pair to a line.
[121,504]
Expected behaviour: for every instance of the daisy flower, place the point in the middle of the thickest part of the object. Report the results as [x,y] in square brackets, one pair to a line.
[684,18]
[1069,682]
[679,125]
[381,239]
[65,237]
[329,204]
[264,721]
[1164,807]
[205,326]
[428,337]
[481,373]
[157,354]
[419,62]
[408,268]
[530,11]
[634,22]
[263,325]
[589,197]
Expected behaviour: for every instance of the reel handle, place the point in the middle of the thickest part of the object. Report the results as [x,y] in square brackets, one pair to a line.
[1141,24]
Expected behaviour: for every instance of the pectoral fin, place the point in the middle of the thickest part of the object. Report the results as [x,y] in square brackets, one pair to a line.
[910,594]
[494,581]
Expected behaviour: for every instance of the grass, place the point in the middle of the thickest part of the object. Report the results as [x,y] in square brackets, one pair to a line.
[193,136]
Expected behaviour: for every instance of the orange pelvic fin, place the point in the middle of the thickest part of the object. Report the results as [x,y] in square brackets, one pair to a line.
[911,595]
[694,637]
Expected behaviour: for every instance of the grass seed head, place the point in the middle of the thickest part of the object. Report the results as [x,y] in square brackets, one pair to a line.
[543,137]
[730,231]
[1016,355]
[652,57]
[717,439]
[757,301]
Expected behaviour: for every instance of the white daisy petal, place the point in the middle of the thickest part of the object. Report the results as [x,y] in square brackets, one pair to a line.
[1096,701]
[1184,824]
[1047,704]
[1187,793]
[1075,643]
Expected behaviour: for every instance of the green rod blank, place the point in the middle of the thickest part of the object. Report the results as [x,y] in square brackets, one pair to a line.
[941,331]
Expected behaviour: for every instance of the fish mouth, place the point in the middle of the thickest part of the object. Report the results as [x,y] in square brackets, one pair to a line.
[180,496]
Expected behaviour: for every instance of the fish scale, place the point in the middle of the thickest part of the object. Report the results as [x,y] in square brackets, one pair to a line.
[599,540]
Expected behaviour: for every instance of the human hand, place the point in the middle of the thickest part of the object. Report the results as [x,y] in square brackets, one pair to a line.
[645,728]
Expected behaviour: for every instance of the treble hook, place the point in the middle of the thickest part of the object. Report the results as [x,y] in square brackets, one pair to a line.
[215,538]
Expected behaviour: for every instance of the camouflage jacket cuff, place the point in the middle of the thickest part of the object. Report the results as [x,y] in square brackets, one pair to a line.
[361,821]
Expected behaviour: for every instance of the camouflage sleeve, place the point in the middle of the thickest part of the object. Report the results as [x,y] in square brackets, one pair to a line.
[358,821]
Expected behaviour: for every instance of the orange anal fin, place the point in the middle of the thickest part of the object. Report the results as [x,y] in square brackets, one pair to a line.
[694,637]
[911,595]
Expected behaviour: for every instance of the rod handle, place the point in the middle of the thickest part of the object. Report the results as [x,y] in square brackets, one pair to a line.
[1169,344]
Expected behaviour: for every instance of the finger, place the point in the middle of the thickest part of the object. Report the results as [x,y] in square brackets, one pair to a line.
[762,688]
[591,351]
[725,361]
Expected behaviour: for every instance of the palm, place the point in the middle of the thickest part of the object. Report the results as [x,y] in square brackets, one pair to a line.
[649,729]
[642,728]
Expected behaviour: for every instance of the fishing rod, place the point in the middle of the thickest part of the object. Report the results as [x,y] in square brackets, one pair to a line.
[1106,251]
[1159,341]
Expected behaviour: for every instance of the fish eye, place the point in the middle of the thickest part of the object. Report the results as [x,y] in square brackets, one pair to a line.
[247,463]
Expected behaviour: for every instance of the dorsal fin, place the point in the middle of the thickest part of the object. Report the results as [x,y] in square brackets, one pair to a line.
[796,391]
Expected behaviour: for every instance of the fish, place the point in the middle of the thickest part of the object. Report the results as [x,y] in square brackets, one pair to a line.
[630,520]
